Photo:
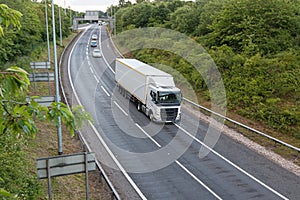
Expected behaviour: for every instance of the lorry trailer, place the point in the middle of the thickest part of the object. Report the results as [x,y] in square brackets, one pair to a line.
[150,89]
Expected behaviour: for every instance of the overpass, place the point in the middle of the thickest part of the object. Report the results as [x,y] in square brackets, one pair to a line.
[90,15]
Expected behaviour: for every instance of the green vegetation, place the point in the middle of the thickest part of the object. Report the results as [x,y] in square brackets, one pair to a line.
[255,45]
[22,45]
[22,37]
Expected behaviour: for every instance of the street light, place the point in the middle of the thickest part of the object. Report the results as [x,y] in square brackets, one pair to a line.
[47,30]
[57,97]
[60,32]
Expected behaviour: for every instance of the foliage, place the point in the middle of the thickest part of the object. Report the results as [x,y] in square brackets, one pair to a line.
[8,16]
[17,124]
[255,45]
[32,27]
[18,115]
[256,26]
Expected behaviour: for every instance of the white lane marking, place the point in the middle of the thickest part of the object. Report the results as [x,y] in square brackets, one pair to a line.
[96,78]
[148,135]
[199,181]
[105,59]
[105,90]
[184,168]
[103,142]
[92,70]
[137,189]
[100,37]
[232,164]
[120,108]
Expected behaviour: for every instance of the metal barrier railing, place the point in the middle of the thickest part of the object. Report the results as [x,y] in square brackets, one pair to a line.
[244,126]
[83,141]
[228,119]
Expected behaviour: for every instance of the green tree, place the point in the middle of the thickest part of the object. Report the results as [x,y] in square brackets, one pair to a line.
[260,26]
[18,118]
[9,16]
[185,19]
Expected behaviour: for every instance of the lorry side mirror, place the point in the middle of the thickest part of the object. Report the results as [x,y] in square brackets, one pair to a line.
[154,100]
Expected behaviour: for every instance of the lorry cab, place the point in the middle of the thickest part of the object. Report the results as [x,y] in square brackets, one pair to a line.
[163,103]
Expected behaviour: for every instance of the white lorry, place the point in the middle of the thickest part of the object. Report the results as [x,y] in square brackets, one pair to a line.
[152,90]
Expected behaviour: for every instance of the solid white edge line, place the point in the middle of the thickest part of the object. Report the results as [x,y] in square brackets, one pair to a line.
[184,168]
[232,164]
[104,57]
[157,144]
[120,108]
[105,90]
[199,181]
[118,163]
[137,189]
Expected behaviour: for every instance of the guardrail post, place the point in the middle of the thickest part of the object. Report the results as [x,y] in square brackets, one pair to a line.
[76,134]
[112,195]
[84,148]
[100,177]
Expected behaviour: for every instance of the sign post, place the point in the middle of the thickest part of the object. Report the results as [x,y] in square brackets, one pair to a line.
[66,165]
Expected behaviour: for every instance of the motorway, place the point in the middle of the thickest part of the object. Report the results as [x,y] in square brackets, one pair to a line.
[161,161]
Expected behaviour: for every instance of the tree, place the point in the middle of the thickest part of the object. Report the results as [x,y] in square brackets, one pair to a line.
[260,26]
[17,121]
[185,19]
[9,16]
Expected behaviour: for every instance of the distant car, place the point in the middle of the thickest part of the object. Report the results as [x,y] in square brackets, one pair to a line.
[94,37]
[93,43]
[97,53]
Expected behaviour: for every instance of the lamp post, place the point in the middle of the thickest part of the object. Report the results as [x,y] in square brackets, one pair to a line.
[60,31]
[57,97]
[47,30]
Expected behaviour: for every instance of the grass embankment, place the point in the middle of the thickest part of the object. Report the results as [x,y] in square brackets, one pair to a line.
[45,145]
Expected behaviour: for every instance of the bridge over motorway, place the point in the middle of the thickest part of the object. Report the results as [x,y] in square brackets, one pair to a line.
[90,15]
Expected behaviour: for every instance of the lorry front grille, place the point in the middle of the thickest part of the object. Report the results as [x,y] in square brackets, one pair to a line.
[169,114]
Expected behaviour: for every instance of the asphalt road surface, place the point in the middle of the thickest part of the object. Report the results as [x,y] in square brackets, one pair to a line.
[161,161]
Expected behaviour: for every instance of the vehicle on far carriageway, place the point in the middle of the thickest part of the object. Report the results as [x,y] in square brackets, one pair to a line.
[93,43]
[97,53]
[94,37]
[152,90]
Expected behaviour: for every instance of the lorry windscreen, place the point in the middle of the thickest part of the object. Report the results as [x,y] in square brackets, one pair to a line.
[169,98]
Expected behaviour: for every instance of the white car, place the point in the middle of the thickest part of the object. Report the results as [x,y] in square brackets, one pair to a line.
[94,37]
[97,53]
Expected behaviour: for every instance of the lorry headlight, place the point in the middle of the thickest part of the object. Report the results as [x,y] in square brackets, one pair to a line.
[157,112]
[178,116]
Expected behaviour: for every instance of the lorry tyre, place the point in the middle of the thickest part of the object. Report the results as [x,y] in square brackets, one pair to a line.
[139,106]
[151,117]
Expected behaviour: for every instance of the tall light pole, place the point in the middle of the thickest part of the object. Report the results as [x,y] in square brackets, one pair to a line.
[115,22]
[60,31]
[57,97]
[47,30]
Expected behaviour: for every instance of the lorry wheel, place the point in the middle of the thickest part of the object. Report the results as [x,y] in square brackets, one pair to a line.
[139,106]
[151,117]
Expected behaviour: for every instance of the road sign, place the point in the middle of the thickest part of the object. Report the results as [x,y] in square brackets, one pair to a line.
[41,77]
[43,100]
[40,65]
[65,165]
